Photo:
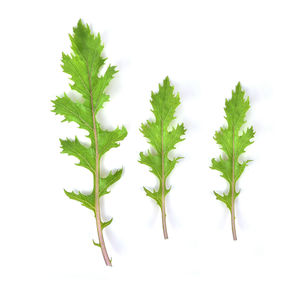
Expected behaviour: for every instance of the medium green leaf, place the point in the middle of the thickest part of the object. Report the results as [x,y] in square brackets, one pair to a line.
[163,139]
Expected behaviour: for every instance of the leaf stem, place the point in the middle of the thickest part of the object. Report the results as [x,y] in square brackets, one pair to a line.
[233,191]
[163,205]
[97,181]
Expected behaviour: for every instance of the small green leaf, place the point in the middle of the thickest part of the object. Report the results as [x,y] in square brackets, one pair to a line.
[233,141]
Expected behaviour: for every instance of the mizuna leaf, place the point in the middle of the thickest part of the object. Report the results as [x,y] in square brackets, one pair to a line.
[233,142]
[83,66]
[163,139]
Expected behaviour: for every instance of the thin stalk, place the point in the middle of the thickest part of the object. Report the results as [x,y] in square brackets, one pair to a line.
[97,181]
[233,192]
[163,205]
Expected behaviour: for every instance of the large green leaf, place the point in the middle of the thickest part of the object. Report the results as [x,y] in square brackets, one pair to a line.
[83,65]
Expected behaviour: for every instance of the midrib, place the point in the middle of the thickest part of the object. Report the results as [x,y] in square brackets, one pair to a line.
[162,164]
[232,180]
[96,145]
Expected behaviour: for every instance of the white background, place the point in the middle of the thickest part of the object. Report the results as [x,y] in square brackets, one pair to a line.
[205,47]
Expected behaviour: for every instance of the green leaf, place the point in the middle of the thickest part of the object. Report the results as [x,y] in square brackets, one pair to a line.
[73,112]
[163,138]
[101,86]
[85,154]
[155,195]
[87,200]
[105,224]
[83,65]
[226,198]
[96,244]
[153,161]
[233,141]
[110,139]
[110,179]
